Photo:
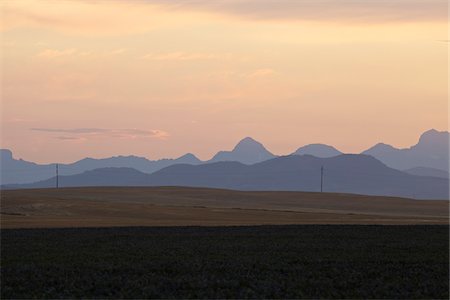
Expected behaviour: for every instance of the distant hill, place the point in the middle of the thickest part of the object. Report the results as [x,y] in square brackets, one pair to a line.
[19,171]
[139,163]
[318,150]
[359,174]
[423,171]
[432,151]
[247,151]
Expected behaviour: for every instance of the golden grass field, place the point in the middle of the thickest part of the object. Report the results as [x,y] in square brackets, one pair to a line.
[177,206]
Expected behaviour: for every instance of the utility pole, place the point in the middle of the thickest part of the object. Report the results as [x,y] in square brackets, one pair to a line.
[321,179]
[57,176]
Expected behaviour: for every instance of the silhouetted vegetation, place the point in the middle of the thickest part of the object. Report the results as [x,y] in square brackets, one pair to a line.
[308,261]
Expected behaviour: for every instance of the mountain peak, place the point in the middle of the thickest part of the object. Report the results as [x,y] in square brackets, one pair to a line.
[188,155]
[248,142]
[434,143]
[188,158]
[431,151]
[382,146]
[318,150]
[247,151]
[432,131]
[248,139]
[433,136]
[6,154]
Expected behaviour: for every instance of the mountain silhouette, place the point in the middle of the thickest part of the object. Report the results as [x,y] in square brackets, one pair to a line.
[247,151]
[432,151]
[99,177]
[348,173]
[424,171]
[318,150]
[19,171]
[139,163]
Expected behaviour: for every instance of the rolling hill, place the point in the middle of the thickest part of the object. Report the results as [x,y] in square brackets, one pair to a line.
[349,173]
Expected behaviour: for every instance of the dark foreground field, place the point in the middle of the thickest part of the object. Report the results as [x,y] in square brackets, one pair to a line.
[298,261]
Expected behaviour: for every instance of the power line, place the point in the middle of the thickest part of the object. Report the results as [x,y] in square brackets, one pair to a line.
[57,176]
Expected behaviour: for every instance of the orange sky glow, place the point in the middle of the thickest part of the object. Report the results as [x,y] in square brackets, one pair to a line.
[162,78]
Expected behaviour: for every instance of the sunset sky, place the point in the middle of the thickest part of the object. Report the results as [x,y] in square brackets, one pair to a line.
[163,78]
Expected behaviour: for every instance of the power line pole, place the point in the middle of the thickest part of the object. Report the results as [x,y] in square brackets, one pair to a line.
[57,176]
[321,179]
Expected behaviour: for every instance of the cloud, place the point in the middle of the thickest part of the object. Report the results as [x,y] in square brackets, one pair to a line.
[18,120]
[86,18]
[9,43]
[72,52]
[111,133]
[72,130]
[117,51]
[183,56]
[70,138]
[124,17]
[54,53]
[67,138]
[261,73]
[368,11]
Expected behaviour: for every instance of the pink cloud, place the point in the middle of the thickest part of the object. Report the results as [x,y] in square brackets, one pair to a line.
[261,73]
[52,53]
[133,133]
[183,56]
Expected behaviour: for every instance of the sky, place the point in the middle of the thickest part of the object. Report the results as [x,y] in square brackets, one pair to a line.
[159,78]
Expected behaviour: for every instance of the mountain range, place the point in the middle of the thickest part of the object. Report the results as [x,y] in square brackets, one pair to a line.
[431,151]
[347,173]
[20,171]
[429,157]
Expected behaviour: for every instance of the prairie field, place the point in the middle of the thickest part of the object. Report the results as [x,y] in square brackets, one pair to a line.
[178,206]
[175,242]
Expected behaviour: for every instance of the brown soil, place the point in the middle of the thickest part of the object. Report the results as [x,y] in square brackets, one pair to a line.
[176,206]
